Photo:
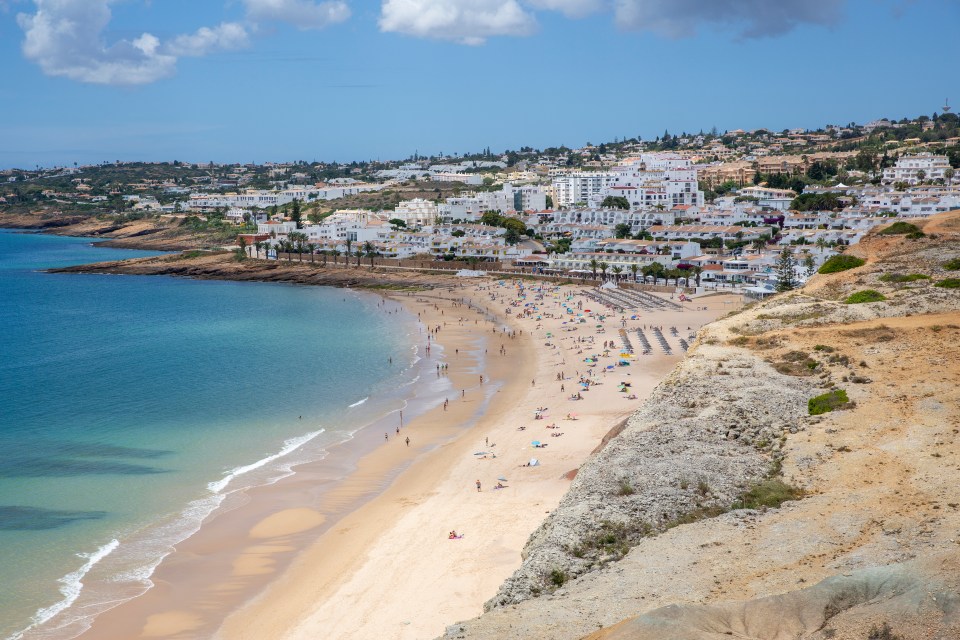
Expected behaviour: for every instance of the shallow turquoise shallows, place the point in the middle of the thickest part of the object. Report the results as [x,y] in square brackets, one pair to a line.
[131,407]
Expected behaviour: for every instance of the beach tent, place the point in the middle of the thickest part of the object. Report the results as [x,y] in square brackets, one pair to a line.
[608,285]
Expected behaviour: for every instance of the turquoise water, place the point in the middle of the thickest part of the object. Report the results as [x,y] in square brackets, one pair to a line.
[131,407]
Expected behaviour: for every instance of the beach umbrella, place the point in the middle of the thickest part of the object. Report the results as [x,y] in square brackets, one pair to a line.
[535,443]
[481,453]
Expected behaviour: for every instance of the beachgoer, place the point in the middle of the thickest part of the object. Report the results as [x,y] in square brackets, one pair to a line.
[386,436]
[408,441]
[478,485]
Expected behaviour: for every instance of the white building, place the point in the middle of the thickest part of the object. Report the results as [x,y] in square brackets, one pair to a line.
[908,169]
[417,212]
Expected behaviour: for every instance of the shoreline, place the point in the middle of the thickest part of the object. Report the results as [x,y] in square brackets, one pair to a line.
[276,554]
[218,565]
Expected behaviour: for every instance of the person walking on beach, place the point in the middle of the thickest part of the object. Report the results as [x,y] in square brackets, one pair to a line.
[478,485]
[386,436]
[408,441]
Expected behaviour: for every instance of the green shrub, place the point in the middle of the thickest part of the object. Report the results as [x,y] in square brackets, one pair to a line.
[838,263]
[899,277]
[824,348]
[769,493]
[867,295]
[883,633]
[557,577]
[952,265]
[625,489]
[830,401]
[949,283]
[901,228]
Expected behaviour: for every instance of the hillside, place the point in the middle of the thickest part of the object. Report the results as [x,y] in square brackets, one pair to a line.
[672,531]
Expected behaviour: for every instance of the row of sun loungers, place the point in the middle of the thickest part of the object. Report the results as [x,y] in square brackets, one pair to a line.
[663,341]
[625,340]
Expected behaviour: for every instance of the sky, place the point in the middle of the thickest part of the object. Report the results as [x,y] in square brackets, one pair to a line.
[92,81]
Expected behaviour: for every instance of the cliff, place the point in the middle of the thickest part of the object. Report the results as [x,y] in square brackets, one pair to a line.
[723,500]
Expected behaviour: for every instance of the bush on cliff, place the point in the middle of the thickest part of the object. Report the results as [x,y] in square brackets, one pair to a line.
[867,295]
[830,401]
[838,263]
[902,229]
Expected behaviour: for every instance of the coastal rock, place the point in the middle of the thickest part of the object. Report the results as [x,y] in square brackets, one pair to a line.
[670,464]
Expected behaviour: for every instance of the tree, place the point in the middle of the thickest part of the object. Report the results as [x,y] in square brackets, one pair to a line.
[295,213]
[786,278]
[622,230]
[593,267]
[396,224]
[603,269]
[821,244]
[512,236]
[809,265]
[491,219]
[311,249]
[347,252]
[370,250]
[241,248]
[549,202]
[921,176]
[298,240]
[617,270]
[633,270]
[696,273]
[615,202]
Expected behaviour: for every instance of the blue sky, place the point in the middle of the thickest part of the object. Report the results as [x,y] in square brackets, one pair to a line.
[272,80]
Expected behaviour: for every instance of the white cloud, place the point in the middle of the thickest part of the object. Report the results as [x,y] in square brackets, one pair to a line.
[225,36]
[570,8]
[65,38]
[755,18]
[464,21]
[304,14]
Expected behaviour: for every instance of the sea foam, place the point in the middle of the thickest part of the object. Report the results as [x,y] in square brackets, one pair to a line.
[70,587]
[289,446]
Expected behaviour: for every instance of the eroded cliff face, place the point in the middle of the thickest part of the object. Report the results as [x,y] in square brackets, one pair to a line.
[880,518]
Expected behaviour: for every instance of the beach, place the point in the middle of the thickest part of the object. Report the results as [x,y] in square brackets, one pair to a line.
[358,545]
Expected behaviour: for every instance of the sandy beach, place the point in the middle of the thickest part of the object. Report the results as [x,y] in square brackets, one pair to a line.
[358,545]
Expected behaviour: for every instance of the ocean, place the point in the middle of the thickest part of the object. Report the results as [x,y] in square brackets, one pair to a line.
[132,407]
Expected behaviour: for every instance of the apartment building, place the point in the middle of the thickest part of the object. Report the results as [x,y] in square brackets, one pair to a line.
[914,169]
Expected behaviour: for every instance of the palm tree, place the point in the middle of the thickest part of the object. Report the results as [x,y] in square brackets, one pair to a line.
[335,253]
[324,252]
[370,250]
[759,243]
[617,270]
[347,253]
[258,246]
[821,244]
[603,269]
[593,267]
[311,248]
[359,255]
[633,270]
[696,272]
